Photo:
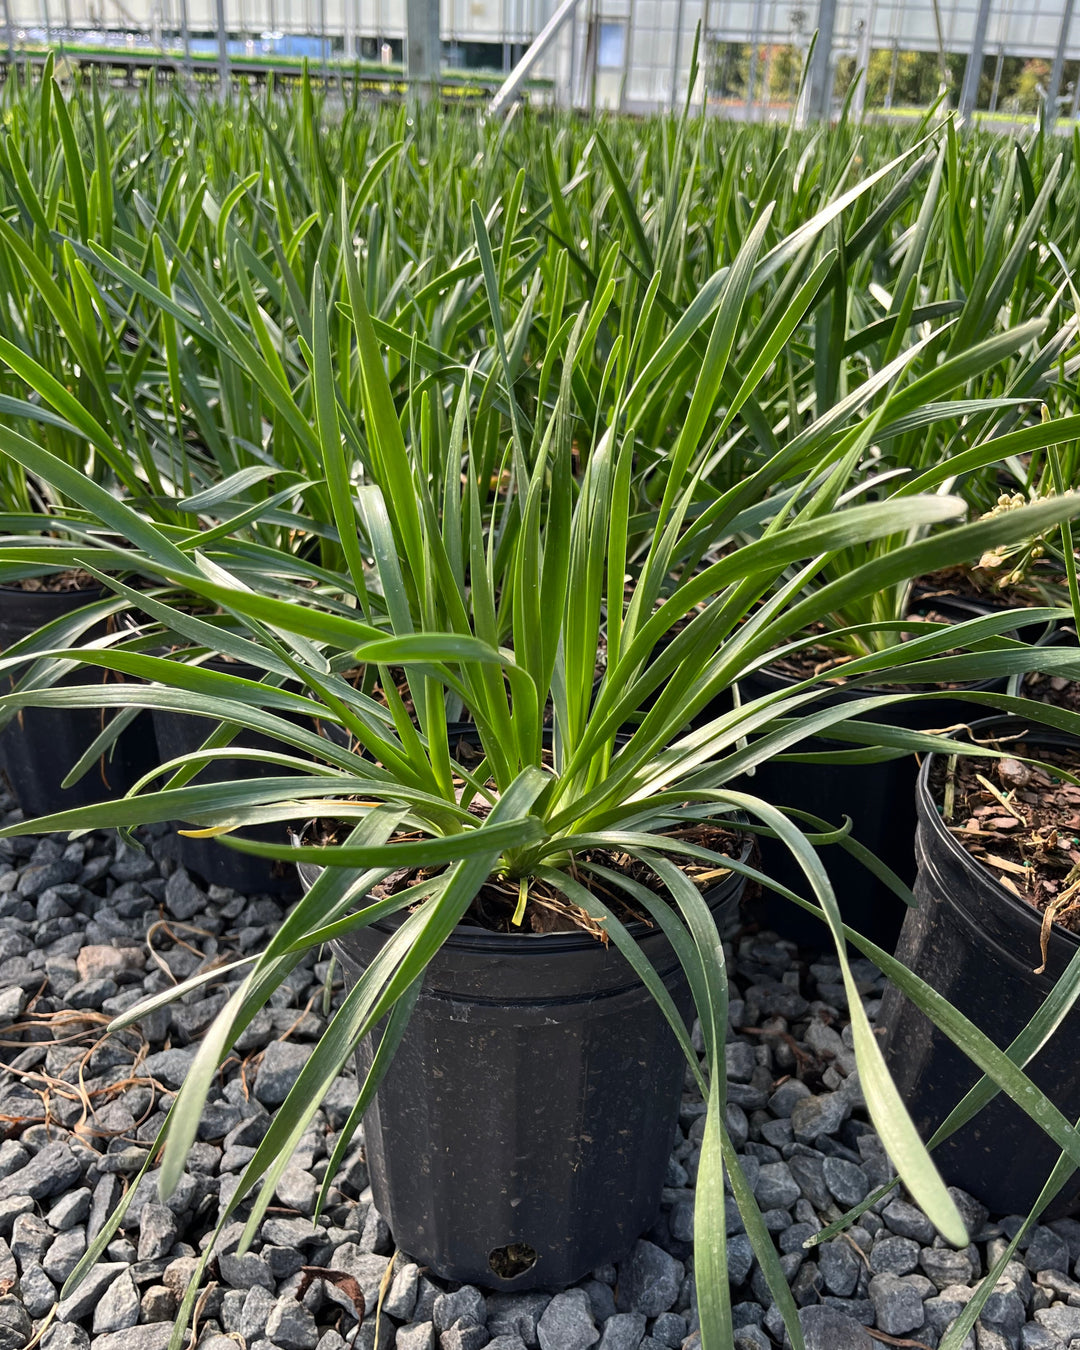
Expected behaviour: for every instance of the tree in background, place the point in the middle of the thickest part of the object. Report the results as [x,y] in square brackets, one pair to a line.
[904,79]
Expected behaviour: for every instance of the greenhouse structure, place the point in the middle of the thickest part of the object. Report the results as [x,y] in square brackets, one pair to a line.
[632,55]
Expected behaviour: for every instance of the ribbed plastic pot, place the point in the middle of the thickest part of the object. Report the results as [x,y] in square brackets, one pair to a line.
[879,798]
[977,944]
[40,746]
[528,1115]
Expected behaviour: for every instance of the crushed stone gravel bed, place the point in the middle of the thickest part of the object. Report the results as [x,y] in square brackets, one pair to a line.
[89,927]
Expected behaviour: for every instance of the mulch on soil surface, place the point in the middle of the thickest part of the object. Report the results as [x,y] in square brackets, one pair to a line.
[56,583]
[548,911]
[1053,689]
[1022,822]
[816,660]
[962,583]
[1056,690]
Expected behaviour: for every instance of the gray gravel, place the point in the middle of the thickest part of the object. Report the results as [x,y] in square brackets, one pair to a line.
[89,927]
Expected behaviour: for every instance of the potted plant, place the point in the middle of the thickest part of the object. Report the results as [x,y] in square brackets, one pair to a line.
[874,786]
[592,815]
[994,913]
[918,444]
[63,756]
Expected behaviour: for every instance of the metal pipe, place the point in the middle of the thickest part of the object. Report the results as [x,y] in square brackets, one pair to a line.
[676,53]
[1059,65]
[592,36]
[996,88]
[543,40]
[628,51]
[422,39]
[223,53]
[969,90]
[185,37]
[890,93]
[866,50]
[821,69]
[572,80]
[751,70]
[770,54]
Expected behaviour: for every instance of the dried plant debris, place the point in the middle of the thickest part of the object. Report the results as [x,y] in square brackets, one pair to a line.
[1053,689]
[58,583]
[547,911]
[1056,690]
[976,584]
[821,658]
[1022,822]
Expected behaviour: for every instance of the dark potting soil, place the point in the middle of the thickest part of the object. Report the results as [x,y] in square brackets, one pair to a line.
[1053,689]
[1021,821]
[56,583]
[546,911]
[401,684]
[963,583]
[819,658]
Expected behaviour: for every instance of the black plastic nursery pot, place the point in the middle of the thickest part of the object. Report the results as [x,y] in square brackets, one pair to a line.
[978,945]
[878,798]
[39,746]
[180,734]
[522,1133]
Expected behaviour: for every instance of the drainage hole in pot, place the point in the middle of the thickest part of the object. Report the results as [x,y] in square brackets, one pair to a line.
[512,1260]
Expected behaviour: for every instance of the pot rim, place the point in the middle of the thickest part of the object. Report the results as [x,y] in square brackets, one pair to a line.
[468,938]
[928,814]
[87,595]
[846,693]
